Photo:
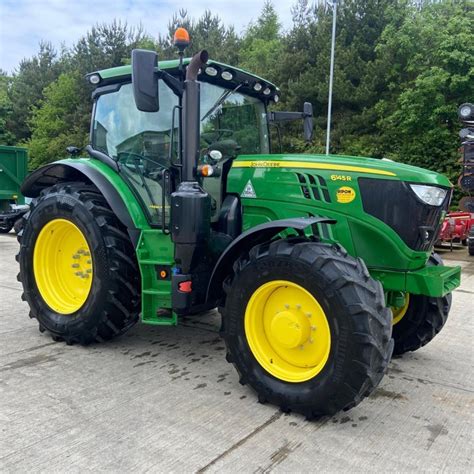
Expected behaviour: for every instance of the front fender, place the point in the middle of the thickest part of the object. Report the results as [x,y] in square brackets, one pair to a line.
[112,186]
[254,236]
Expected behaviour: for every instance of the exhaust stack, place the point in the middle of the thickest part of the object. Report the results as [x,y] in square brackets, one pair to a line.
[190,204]
[192,116]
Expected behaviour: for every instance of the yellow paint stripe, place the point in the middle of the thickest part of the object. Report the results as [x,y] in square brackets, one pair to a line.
[308,165]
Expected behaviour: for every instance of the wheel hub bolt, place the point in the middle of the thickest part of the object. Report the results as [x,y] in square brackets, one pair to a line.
[75,265]
[308,314]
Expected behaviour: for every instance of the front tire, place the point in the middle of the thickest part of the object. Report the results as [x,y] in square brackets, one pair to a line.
[306,327]
[77,266]
[422,319]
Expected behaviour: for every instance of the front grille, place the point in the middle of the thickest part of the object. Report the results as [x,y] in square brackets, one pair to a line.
[394,203]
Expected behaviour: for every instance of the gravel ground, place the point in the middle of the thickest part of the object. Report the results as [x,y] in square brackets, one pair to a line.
[164,399]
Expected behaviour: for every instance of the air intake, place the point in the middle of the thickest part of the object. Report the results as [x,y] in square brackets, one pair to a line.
[314,187]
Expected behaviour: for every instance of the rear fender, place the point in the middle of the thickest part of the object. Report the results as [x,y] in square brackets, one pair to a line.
[115,191]
[254,236]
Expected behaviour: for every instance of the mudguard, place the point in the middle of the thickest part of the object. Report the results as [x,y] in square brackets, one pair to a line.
[53,173]
[255,236]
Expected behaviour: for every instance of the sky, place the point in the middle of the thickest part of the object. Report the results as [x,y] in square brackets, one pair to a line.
[24,23]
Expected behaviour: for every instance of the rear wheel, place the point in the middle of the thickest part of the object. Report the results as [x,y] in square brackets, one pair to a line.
[78,266]
[306,326]
[420,319]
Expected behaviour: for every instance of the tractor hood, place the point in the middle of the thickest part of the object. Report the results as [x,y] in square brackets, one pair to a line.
[377,200]
[344,166]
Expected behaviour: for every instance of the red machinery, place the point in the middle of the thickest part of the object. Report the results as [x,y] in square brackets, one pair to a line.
[456,227]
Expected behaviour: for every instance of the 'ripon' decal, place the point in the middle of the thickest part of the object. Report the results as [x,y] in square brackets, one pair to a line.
[345,194]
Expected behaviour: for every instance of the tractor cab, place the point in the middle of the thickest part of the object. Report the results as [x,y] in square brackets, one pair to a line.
[148,145]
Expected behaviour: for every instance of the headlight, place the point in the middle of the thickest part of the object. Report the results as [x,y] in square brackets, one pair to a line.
[94,79]
[466,112]
[211,71]
[227,75]
[429,194]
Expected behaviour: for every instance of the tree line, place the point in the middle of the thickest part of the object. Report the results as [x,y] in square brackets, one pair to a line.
[402,68]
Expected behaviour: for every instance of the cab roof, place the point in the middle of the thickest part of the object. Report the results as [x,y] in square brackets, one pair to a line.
[215,72]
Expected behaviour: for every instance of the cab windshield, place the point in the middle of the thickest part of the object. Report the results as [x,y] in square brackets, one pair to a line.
[239,122]
[146,143]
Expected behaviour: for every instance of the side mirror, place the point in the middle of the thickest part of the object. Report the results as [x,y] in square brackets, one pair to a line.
[308,121]
[145,80]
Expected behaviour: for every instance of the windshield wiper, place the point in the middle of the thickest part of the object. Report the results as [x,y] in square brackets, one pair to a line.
[221,100]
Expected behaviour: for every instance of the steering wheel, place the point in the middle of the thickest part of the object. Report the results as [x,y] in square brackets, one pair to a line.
[141,158]
[216,135]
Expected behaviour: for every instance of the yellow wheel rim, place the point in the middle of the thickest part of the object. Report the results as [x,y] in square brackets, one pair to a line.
[62,266]
[398,313]
[287,331]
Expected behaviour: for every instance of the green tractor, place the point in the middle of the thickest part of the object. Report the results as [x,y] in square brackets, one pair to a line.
[181,208]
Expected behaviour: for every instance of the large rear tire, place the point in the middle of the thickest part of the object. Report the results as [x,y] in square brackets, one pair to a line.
[77,266]
[422,319]
[306,326]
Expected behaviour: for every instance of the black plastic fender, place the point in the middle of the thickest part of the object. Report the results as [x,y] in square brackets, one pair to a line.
[254,236]
[53,173]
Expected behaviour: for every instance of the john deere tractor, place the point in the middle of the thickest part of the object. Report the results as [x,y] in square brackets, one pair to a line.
[180,207]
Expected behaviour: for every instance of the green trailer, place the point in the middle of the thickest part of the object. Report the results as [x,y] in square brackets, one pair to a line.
[321,266]
[13,169]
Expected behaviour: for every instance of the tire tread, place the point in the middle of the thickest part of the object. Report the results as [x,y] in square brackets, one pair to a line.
[350,278]
[120,312]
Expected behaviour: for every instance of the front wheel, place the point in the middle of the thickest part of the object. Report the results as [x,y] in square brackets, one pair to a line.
[306,326]
[420,319]
[77,266]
